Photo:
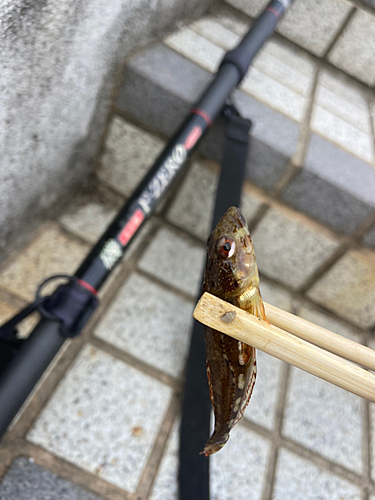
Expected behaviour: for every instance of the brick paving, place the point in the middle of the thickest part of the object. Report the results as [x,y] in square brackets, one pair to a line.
[103,421]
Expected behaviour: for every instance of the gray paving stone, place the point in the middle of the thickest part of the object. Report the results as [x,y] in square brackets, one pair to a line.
[325,419]
[275,295]
[159,88]
[311,314]
[240,467]
[28,481]
[262,406]
[353,52]
[150,323]
[193,207]
[299,479]
[50,252]
[369,237]
[348,288]
[88,221]
[342,97]
[287,249]
[333,186]
[104,417]
[313,25]
[129,152]
[175,260]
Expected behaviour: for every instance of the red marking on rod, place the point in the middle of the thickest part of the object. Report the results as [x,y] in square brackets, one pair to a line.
[88,287]
[192,138]
[206,117]
[131,226]
[274,11]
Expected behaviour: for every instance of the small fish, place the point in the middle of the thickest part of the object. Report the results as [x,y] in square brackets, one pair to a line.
[231,274]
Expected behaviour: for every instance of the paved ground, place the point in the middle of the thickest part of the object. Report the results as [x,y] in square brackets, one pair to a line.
[103,422]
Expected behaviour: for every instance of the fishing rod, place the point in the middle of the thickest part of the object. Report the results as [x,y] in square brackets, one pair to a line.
[68,309]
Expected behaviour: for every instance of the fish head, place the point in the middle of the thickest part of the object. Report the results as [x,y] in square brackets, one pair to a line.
[230,266]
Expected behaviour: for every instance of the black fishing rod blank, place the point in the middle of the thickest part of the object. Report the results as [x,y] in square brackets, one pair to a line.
[25,369]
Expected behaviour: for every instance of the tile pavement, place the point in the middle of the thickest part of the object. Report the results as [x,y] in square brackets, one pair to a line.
[111,424]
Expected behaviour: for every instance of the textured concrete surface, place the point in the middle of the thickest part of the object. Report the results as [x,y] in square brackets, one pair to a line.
[104,417]
[287,250]
[27,481]
[369,238]
[58,66]
[348,288]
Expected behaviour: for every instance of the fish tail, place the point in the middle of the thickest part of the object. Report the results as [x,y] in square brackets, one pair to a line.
[215,443]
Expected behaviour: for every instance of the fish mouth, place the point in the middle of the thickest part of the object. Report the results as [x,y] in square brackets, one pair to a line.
[215,443]
[233,216]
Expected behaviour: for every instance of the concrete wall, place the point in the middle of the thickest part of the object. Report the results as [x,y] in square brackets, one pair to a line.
[57,63]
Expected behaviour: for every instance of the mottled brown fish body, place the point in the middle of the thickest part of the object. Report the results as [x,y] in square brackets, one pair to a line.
[231,273]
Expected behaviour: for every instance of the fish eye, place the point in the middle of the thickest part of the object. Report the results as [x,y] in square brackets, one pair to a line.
[226,247]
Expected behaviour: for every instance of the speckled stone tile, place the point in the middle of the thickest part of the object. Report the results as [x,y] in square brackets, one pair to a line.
[274,94]
[262,406]
[353,51]
[275,295]
[289,250]
[27,481]
[129,152]
[215,32]
[342,133]
[196,48]
[369,237]
[7,311]
[325,419]
[240,467]
[232,22]
[348,288]
[299,479]
[104,417]
[150,323]
[193,207]
[311,314]
[344,99]
[50,252]
[165,486]
[313,25]
[88,221]
[252,9]
[175,259]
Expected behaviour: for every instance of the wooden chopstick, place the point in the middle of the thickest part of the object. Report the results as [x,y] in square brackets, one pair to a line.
[332,342]
[247,328]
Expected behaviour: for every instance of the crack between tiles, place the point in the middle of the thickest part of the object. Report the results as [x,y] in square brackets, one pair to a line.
[342,28]
[168,286]
[16,448]
[150,471]
[135,362]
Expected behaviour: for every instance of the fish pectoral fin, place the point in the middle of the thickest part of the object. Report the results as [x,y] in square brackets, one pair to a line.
[258,308]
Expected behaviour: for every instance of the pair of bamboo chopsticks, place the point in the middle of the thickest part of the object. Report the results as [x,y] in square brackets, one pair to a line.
[296,341]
